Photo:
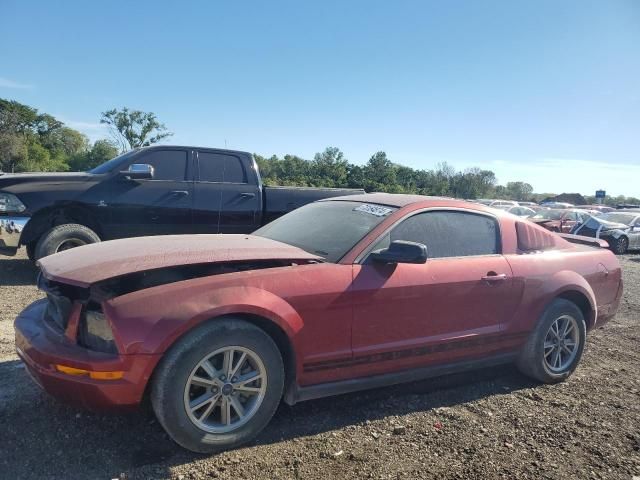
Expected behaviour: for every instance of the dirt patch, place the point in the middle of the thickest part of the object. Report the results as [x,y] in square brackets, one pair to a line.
[490,424]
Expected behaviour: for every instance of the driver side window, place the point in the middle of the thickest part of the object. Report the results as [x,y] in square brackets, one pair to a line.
[448,233]
[167,164]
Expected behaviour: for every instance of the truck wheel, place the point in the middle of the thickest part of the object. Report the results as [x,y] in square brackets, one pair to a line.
[219,386]
[64,237]
[31,251]
[620,245]
[555,347]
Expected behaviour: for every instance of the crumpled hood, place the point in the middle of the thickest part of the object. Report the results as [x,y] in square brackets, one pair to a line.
[89,264]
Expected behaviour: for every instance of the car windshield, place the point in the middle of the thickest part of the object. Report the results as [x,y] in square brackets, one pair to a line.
[619,217]
[549,214]
[112,164]
[328,229]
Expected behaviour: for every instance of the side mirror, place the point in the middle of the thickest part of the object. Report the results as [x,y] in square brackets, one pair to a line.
[401,251]
[138,171]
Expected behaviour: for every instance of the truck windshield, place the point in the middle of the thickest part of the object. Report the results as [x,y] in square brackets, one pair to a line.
[328,229]
[112,164]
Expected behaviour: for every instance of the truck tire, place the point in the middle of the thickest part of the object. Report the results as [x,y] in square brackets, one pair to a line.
[31,251]
[555,347]
[64,237]
[196,402]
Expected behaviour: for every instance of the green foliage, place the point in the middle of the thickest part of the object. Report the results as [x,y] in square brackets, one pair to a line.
[100,152]
[133,129]
[37,142]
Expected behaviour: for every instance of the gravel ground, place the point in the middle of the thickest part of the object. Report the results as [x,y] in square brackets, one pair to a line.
[489,424]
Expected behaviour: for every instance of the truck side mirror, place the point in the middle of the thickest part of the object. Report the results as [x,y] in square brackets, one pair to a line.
[138,171]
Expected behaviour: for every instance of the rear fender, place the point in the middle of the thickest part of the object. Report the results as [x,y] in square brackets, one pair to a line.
[537,299]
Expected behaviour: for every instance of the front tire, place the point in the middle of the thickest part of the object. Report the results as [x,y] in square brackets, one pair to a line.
[219,386]
[620,245]
[64,237]
[555,347]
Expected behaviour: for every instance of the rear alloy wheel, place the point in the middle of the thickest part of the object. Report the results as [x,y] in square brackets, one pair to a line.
[555,347]
[218,386]
[620,245]
[64,237]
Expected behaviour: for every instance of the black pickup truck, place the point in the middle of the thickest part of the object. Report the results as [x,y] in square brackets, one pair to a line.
[148,191]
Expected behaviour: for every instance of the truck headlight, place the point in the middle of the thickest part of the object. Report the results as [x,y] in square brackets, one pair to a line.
[9,203]
[95,333]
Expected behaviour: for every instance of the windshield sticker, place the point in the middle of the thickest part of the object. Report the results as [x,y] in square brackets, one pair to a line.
[376,210]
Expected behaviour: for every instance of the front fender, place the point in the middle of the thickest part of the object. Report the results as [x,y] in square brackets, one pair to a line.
[150,321]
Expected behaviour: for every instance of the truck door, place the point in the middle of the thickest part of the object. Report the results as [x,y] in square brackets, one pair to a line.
[225,200]
[157,206]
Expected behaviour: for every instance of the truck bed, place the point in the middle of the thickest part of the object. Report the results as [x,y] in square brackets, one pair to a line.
[280,200]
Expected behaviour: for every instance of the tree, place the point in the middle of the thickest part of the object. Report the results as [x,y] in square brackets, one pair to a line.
[329,169]
[380,174]
[133,129]
[100,152]
[13,151]
[519,190]
[473,183]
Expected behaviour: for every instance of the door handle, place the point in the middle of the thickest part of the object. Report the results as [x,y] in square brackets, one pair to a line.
[247,195]
[494,277]
[179,192]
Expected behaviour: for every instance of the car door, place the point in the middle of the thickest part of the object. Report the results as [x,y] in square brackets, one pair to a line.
[447,309]
[157,206]
[225,199]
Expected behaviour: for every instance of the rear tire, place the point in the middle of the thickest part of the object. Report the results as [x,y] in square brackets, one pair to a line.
[551,357]
[192,373]
[620,245]
[64,237]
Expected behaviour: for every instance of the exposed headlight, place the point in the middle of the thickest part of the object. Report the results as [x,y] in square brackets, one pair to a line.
[94,332]
[10,203]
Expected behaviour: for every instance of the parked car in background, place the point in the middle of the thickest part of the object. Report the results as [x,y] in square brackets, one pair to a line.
[524,212]
[156,190]
[596,207]
[559,220]
[527,204]
[557,205]
[621,229]
[340,295]
[503,203]
[521,211]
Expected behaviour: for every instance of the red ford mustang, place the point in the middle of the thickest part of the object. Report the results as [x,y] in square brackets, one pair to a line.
[337,296]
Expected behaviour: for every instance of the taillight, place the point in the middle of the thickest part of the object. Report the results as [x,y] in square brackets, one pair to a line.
[94,331]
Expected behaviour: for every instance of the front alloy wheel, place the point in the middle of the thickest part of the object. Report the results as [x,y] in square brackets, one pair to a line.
[225,389]
[219,385]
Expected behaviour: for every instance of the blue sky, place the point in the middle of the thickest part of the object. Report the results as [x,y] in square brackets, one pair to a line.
[543,91]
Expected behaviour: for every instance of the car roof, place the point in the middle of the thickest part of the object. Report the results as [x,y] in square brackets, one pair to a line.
[398,200]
